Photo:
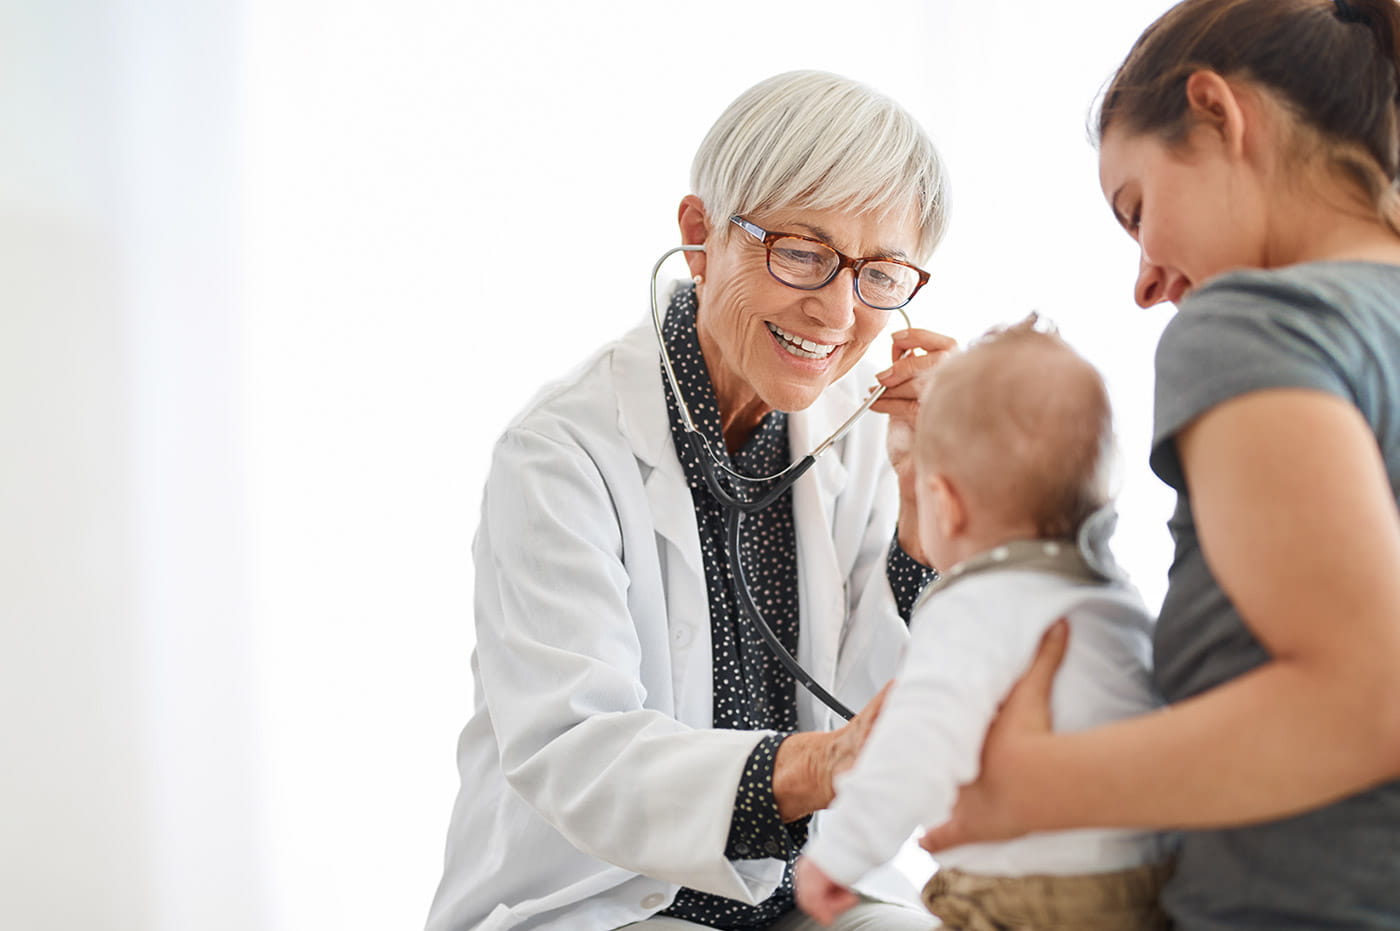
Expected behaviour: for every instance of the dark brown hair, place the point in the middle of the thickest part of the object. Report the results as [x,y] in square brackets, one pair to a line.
[1333,65]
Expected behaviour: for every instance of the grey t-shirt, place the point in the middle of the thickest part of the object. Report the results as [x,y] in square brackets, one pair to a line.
[1328,326]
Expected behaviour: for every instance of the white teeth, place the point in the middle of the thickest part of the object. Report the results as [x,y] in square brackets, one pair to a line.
[803,348]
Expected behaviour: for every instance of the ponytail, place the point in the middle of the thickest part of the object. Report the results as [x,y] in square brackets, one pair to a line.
[1382,19]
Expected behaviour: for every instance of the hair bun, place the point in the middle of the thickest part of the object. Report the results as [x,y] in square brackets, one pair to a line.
[1348,13]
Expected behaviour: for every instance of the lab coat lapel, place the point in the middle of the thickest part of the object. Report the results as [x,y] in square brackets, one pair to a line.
[821,588]
[643,420]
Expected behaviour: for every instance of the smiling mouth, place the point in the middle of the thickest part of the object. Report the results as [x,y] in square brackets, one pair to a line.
[802,348]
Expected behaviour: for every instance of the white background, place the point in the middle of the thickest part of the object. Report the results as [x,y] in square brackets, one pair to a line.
[272,277]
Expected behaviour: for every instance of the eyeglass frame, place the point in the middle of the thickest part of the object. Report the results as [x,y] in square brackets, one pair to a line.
[768,237]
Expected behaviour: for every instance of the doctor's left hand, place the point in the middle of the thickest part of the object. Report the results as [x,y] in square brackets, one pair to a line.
[915,354]
[807,764]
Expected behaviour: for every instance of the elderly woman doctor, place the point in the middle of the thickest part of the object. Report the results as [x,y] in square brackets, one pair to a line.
[636,752]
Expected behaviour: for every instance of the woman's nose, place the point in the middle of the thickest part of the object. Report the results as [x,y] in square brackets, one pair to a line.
[1151,287]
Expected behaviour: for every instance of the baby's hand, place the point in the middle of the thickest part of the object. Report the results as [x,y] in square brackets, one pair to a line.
[818,894]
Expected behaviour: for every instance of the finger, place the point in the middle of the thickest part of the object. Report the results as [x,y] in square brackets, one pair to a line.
[898,408]
[916,338]
[865,721]
[941,838]
[1032,692]
[872,708]
[850,737]
[909,368]
[871,711]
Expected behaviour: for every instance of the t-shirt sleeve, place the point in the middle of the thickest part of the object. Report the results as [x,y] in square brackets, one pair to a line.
[1240,334]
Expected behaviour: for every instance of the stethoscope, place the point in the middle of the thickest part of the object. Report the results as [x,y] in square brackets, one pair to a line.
[737,507]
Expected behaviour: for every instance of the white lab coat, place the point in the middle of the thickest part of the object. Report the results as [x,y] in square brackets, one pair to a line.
[592,783]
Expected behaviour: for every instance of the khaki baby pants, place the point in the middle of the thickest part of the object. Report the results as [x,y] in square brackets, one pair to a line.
[1125,900]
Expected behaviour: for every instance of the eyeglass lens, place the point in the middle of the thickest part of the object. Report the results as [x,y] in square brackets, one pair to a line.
[803,263]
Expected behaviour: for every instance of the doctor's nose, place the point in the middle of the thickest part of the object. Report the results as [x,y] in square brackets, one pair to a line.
[834,304]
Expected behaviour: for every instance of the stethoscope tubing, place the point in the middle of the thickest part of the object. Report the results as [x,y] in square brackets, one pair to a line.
[733,521]
[738,507]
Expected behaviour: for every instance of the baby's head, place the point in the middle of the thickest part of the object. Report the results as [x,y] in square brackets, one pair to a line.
[1014,440]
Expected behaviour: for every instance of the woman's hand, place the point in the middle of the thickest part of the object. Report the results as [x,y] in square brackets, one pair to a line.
[818,894]
[915,353]
[1000,804]
[808,763]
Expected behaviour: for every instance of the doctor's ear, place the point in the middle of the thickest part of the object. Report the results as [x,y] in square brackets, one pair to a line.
[695,229]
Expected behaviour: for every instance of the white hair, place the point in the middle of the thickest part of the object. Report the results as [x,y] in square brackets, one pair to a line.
[818,140]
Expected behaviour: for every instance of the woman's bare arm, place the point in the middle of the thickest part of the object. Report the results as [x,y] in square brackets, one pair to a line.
[1299,524]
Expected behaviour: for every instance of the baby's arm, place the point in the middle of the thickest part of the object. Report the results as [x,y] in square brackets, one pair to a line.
[964,656]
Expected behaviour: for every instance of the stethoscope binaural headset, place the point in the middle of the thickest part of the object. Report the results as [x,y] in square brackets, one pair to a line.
[737,506]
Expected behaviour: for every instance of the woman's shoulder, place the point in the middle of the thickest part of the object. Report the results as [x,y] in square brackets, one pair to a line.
[1324,326]
[1342,287]
[1320,311]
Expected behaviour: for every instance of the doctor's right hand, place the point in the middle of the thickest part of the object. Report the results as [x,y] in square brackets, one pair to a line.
[808,763]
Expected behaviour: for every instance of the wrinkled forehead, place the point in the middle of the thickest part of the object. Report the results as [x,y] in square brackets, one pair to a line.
[854,230]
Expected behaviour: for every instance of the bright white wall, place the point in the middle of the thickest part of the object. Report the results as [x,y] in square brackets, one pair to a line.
[127,792]
[274,274]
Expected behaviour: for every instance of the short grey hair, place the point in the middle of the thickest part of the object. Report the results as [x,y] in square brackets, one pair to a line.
[821,141]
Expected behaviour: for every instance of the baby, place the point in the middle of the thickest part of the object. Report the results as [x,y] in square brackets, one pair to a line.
[1012,450]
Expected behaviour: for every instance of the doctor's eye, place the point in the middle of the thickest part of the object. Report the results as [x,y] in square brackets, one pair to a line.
[800,255]
[875,276]
[800,262]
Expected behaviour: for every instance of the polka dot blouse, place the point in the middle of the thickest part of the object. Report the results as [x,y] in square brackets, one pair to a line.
[752,691]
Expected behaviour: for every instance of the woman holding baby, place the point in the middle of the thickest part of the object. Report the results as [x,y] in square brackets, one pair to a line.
[1251,148]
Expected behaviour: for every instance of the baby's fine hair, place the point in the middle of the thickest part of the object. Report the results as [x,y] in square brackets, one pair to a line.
[1022,424]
